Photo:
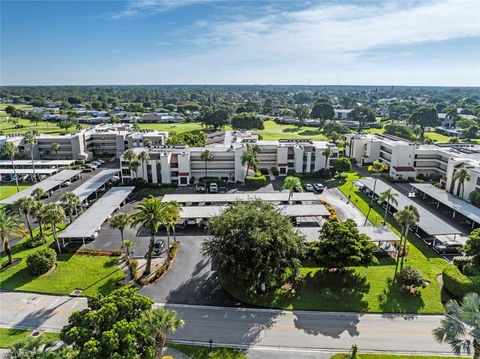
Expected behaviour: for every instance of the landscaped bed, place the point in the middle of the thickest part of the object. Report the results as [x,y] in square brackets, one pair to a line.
[199,352]
[394,356]
[11,336]
[91,274]
[360,289]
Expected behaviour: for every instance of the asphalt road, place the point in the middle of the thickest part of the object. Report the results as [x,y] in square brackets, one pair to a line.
[258,330]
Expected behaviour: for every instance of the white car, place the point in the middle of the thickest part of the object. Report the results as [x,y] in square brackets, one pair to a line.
[213,188]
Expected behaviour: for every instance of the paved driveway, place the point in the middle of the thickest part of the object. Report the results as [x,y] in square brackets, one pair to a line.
[191,279]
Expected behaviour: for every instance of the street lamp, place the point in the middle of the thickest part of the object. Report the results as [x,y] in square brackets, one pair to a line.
[210,347]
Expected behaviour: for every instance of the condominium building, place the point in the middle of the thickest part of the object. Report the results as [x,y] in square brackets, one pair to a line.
[182,165]
[101,140]
[408,160]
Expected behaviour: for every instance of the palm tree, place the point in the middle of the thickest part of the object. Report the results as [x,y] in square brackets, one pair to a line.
[390,197]
[55,215]
[10,225]
[31,140]
[406,217]
[143,157]
[134,165]
[129,155]
[327,152]
[151,213]
[461,176]
[292,183]
[334,136]
[26,207]
[377,167]
[128,244]
[172,219]
[121,221]
[70,201]
[207,156]
[158,323]
[460,325]
[39,211]
[38,194]
[10,150]
[55,147]
[249,157]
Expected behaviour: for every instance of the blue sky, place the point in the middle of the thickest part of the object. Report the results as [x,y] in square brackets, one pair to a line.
[409,42]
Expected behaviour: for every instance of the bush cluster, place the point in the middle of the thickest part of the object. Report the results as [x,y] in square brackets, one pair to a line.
[410,277]
[275,171]
[255,181]
[459,284]
[35,241]
[41,261]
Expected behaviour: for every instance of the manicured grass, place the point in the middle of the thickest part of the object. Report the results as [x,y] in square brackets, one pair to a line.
[11,336]
[199,352]
[92,274]
[359,289]
[145,192]
[394,356]
[275,131]
[7,190]
[437,137]
[25,125]
[173,127]
[17,106]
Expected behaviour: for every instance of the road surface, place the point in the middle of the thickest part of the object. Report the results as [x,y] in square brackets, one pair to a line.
[264,330]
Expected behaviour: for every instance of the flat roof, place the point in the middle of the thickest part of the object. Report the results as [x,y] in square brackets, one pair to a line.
[28,171]
[296,210]
[47,185]
[90,186]
[429,222]
[37,162]
[379,234]
[239,197]
[92,219]
[449,200]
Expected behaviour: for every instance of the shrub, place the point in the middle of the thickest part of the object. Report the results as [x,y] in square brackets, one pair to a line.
[470,270]
[275,171]
[41,261]
[459,284]
[35,241]
[172,252]
[256,181]
[263,171]
[410,277]
[460,262]
[161,270]
[134,268]
[116,253]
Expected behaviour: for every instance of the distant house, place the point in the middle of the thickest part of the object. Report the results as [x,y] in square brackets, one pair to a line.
[341,114]
[445,120]
[160,117]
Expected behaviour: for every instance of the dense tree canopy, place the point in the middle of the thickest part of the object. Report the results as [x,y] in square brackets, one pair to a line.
[342,245]
[215,117]
[246,121]
[425,116]
[363,115]
[252,243]
[323,110]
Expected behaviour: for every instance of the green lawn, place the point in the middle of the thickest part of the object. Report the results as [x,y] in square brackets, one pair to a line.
[17,106]
[145,192]
[10,336]
[275,131]
[92,274]
[394,356]
[6,190]
[199,352]
[45,127]
[359,289]
[437,137]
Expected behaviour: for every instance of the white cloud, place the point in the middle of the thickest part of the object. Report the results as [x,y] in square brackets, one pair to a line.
[151,7]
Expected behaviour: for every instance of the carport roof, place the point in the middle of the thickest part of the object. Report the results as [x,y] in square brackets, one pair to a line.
[238,197]
[47,184]
[296,210]
[28,171]
[379,234]
[94,183]
[428,222]
[92,219]
[449,200]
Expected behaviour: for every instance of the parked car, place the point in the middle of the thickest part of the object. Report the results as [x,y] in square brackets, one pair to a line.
[202,188]
[158,247]
[191,222]
[448,247]
[67,183]
[308,187]
[319,187]
[222,189]
[213,188]
[100,161]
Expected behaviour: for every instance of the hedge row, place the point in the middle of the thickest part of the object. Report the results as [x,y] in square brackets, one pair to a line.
[459,284]
[256,181]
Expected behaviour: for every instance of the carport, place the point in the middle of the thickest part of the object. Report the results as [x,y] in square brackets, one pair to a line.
[382,236]
[225,198]
[429,224]
[47,185]
[458,207]
[299,210]
[94,184]
[86,226]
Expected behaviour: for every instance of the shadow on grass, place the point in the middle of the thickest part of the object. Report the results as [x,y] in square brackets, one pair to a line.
[17,279]
[290,129]
[309,133]
[397,301]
